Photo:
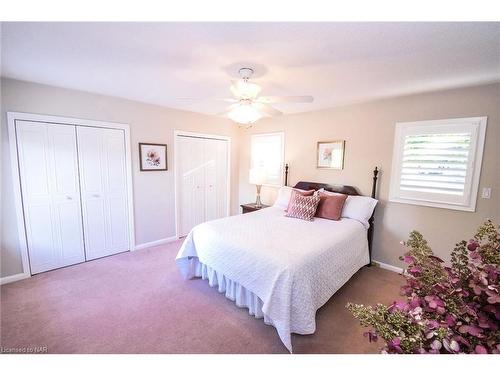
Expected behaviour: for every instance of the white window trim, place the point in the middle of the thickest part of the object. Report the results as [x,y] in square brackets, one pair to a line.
[480,124]
[282,155]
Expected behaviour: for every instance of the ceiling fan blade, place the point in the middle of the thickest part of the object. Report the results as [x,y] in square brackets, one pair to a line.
[266,109]
[235,89]
[285,99]
[228,100]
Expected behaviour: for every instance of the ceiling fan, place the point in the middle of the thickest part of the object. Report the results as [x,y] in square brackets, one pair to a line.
[248,106]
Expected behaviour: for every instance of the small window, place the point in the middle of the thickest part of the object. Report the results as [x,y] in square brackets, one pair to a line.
[437,163]
[267,151]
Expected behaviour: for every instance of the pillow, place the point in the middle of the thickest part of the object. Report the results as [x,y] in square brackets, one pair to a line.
[283,198]
[356,207]
[305,193]
[303,207]
[359,208]
[330,206]
[284,195]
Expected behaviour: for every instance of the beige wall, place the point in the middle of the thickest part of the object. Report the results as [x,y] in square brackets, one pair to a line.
[153,191]
[368,130]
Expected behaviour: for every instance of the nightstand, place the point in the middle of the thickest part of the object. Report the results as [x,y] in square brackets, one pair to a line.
[250,207]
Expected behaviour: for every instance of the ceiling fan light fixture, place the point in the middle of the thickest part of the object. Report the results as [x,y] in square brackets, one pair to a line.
[245,90]
[248,107]
[244,114]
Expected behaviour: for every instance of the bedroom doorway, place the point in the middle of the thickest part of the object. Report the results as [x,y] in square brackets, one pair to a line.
[202,180]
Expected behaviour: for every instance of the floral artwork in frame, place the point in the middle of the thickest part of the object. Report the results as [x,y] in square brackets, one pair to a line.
[330,155]
[153,156]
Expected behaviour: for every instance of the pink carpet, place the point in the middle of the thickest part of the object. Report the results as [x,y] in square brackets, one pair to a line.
[138,303]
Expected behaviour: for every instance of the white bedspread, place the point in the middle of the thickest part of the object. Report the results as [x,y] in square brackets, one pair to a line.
[293,266]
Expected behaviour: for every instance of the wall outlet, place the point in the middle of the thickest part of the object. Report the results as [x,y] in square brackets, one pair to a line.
[486,193]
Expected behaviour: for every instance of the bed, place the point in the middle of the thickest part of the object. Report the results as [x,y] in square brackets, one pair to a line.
[281,269]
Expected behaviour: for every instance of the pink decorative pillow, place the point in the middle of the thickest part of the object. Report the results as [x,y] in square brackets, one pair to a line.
[305,193]
[303,207]
[330,206]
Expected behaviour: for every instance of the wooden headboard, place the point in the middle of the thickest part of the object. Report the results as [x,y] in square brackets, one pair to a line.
[343,189]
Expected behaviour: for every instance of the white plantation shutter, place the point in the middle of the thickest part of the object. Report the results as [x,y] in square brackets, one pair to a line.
[437,163]
[267,151]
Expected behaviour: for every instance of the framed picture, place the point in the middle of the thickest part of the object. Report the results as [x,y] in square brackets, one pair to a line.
[153,157]
[330,155]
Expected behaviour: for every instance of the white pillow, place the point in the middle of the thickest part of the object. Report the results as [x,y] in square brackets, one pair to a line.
[284,195]
[357,207]
[322,190]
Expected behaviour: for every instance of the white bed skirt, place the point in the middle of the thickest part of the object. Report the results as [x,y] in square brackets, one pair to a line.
[241,296]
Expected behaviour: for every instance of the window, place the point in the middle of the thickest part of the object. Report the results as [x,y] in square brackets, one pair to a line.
[267,151]
[437,163]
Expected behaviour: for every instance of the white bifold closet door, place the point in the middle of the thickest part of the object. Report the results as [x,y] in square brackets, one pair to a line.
[202,175]
[101,154]
[48,163]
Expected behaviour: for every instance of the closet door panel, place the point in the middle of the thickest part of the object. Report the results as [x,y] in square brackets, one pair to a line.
[66,192]
[94,221]
[191,177]
[34,160]
[201,177]
[117,211]
[90,162]
[92,190]
[115,157]
[34,165]
[211,179]
[221,173]
[104,191]
[63,143]
[198,213]
[50,189]
[70,232]
[40,232]
[215,178]
[116,194]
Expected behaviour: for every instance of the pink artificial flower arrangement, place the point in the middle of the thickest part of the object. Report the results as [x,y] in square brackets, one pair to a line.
[448,309]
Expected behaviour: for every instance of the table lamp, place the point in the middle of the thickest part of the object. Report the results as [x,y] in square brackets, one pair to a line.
[258,177]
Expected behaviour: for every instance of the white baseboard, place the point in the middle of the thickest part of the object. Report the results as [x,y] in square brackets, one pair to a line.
[12,278]
[155,243]
[388,267]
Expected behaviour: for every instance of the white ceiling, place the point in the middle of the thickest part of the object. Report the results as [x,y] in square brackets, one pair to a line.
[337,63]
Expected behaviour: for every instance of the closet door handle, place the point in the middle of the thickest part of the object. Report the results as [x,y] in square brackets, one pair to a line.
[68,197]
[96,195]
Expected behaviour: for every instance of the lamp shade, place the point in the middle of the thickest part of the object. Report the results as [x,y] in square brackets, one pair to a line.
[258,175]
[244,113]
[245,89]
